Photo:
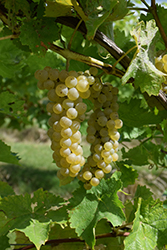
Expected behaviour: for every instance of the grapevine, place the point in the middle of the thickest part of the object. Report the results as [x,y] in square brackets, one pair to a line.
[66,94]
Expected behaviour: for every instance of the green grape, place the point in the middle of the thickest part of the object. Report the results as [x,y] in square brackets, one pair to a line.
[108,159]
[101,164]
[57,108]
[40,85]
[98,148]
[115,157]
[102,98]
[71,81]
[82,85]
[94,181]
[99,174]
[115,136]
[73,73]
[75,126]
[41,75]
[76,137]
[108,146]
[74,147]
[64,163]
[87,186]
[118,123]
[49,107]
[63,75]
[52,96]
[91,130]
[87,175]
[159,65]
[50,132]
[110,124]
[107,169]
[61,90]
[115,107]
[56,136]
[93,71]
[71,158]
[73,94]
[49,84]
[55,146]
[81,107]
[90,138]
[64,171]
[72,113]
[53,74]
[67,103]
[65,122]
[85,95]
[90,80]
[96,157]
[56,126]
[75,168]
[78,150]
[65,143]
[102,121]
[66,132]
[114,116]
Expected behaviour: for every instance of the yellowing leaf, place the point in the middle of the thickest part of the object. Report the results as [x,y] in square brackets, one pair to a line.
[58,8]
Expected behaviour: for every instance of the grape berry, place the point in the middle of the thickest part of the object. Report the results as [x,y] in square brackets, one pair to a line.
[161,65]
[66,91]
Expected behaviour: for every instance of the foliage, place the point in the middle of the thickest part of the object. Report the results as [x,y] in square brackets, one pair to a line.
[35,34]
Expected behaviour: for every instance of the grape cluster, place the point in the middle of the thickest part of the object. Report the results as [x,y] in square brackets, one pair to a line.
[161,64]
[66,91]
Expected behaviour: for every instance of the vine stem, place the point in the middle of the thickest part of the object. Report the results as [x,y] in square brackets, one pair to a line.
[69,240]
[8,37]
[68,54]
[153,10]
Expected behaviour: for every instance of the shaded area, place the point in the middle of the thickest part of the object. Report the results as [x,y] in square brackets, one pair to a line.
[27,179]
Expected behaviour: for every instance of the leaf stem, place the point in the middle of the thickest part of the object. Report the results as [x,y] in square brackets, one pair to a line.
[140,9]
[145,3]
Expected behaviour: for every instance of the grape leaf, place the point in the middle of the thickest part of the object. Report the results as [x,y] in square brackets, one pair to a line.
[4,242]
[18,5]
[41,31]
[10,105]
[144,154]
[150,222]
[29,215]
[119,11]
[161,11]
[101,202]
[143,236]
[11,59]
[142,69]
[14,7]
[94,13]
[129,174]
[5,189]
[58,8]
[37,232]
[6,154]
[143,192]
[134,116]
